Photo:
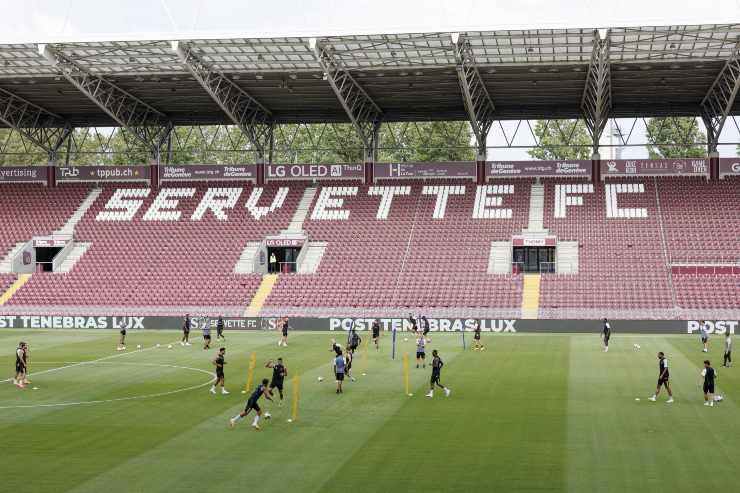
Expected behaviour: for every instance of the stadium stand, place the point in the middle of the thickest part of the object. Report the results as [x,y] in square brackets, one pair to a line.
[391,248]
[405,255]
[162,262]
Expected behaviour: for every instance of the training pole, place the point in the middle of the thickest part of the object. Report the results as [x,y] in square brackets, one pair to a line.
[296,397]
[250,371]
[463,337]
[393,352]
[406,372]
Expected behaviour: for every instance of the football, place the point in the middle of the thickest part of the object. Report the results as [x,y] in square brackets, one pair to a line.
[321,379]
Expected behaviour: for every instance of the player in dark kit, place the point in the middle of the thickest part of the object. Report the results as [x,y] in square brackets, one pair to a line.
[606,333]
[477,345]
[283,324]
[220,329]
[122,341]
[348,359]
[412,321]
[26,381]
[252,403]
[437,365]
[425,327]
[185,341]
[20,365]
[376,334]
[709,375]
[663,378]
[219,363]
[279,372]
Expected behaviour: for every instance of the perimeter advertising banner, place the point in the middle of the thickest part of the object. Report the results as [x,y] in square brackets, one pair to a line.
[655,167]
[215,172]
[451,169]
[274,172]
[729,166]
[543,169]
[23,174]
[338,324]
[102,173]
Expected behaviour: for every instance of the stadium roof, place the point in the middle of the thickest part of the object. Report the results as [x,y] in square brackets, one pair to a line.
[541,73]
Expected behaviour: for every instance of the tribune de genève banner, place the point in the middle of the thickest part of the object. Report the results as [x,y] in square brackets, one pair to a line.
[23,174]
[208,172]
[452,169]
[339,324]
[655,167]
[102,173]
[544,169]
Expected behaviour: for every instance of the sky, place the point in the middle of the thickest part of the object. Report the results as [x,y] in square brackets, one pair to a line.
[48,21]
[95,20]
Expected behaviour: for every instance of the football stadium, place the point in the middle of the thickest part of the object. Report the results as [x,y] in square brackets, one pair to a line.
[369,246]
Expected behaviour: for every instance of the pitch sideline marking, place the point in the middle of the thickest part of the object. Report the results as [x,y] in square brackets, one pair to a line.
[50,370]
[130,398]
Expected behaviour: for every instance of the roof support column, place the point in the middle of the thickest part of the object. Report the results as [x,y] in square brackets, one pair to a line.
[42,127]
[243,110]
[716,105]
[478,103]
[150,126]
[362,111]
[596,102]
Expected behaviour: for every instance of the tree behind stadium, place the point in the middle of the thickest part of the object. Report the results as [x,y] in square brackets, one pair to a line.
[675,137]
[561,140]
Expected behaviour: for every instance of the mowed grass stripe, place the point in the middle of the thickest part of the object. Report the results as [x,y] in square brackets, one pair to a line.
[90,440]
[502,427]
[300,455]
[616,443]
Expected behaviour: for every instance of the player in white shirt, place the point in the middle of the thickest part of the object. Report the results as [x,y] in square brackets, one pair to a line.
[728,351]
[704,330]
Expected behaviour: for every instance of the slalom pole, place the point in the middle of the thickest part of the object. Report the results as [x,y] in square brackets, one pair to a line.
[250,371]
[406,373]
[463,338]
[296,397]
[393,352]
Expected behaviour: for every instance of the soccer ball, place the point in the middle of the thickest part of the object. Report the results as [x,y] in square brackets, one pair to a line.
[290,420]
[405,339]
[138,346]
[158,345]
[321,379]
[268,415]
[169,346]
[636,346]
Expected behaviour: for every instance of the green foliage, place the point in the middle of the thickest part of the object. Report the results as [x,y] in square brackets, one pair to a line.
[426,141]
[15,150]
[293,143]
[675,137]
[561,139]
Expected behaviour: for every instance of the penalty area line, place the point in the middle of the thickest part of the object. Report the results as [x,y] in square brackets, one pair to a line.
[129,398]
[51,370]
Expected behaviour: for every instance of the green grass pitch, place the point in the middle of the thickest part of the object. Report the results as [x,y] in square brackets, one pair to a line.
[531,413]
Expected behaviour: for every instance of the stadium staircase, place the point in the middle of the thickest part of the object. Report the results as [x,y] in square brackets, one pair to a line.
[245,264]
[18,284]
[6,265]
[301,212]
[531,296]
[268,282]
[77,215]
